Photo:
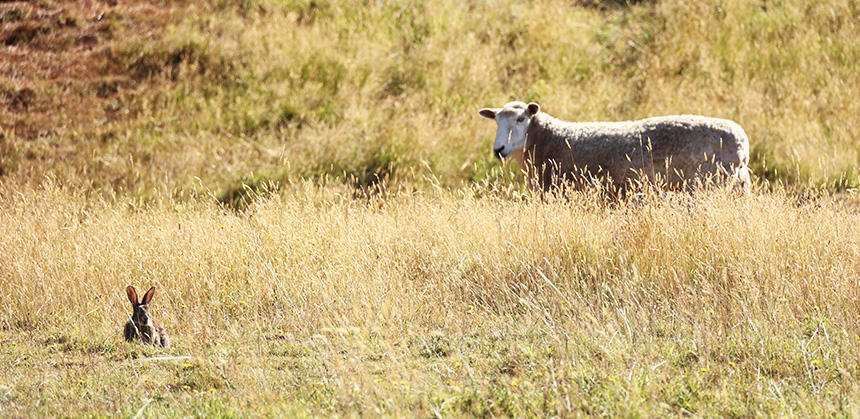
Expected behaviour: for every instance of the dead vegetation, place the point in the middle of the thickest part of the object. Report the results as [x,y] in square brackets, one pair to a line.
[382,262]
[61,64]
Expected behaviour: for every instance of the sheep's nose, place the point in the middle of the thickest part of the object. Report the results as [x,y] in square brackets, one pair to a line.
[498,152]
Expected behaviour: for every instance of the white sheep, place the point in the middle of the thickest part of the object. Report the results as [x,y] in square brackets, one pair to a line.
[678,151]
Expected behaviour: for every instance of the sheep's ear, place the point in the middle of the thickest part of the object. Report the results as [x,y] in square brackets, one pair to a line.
[532,109]
[148,296]
[132,294]
[488,113]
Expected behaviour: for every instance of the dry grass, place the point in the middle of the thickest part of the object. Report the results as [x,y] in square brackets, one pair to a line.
[448,302]
[221,94]
[59,67]
[393,267]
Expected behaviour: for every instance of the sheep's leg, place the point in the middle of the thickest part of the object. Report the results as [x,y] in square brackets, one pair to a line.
[744,182]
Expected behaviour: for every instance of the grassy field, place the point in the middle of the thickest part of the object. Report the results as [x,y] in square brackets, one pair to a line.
[446,303]
[199,98]
[310,189]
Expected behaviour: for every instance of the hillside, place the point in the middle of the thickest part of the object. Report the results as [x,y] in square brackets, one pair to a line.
[201,97]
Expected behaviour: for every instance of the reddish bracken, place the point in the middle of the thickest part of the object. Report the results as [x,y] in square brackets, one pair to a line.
[59,61]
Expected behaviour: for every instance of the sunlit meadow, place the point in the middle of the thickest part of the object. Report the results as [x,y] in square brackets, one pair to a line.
[310,189]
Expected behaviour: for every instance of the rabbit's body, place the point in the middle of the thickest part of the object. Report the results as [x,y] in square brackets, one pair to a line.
[153,334]
[141,326]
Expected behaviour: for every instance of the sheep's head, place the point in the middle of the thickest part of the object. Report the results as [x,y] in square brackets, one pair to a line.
[513,122]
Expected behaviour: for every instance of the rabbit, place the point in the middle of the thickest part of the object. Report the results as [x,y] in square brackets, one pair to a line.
[141,326]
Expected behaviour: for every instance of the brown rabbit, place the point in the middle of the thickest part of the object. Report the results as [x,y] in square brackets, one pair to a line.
[141,326]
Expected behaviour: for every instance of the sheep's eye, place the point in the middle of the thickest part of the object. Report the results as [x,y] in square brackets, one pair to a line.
[520,119]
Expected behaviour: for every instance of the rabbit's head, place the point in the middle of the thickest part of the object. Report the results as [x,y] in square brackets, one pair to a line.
[141,315]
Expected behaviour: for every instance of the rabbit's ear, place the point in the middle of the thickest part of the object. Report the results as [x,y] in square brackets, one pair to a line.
[132,294]
[148,296]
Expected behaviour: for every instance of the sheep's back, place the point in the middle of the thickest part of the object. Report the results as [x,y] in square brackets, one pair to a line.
[675,148]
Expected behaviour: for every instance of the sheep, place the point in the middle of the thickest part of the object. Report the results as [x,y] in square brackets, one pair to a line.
[680,151]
